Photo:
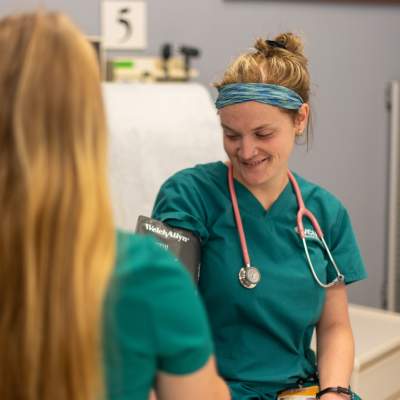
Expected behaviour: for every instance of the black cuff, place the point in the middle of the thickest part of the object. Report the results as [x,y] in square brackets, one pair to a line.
[336,389]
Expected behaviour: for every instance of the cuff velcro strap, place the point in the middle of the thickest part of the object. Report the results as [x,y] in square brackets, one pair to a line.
[336,389]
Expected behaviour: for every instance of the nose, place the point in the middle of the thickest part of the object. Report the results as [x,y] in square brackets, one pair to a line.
[247,148]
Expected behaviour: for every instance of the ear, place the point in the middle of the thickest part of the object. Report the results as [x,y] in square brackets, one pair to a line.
[302,118]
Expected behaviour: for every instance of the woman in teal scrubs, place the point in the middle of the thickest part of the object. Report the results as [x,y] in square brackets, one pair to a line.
[85,313]
[262,334]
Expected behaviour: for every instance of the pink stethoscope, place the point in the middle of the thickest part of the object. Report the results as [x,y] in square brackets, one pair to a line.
[249,276]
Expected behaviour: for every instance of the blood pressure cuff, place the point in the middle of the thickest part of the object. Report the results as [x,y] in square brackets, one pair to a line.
[182,243]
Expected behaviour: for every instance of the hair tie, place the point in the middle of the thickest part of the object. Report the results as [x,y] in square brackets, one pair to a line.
[275,44]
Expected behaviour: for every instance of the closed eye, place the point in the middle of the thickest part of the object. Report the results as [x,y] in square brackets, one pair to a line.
[231,136]
[264,135]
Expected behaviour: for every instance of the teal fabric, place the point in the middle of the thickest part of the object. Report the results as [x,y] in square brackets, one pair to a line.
[154,320]
[274,95]
[262,336]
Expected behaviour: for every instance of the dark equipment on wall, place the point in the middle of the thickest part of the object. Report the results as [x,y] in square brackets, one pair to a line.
[188,53]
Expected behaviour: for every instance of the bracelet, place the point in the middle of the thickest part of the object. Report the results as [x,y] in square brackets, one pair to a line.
[336,389]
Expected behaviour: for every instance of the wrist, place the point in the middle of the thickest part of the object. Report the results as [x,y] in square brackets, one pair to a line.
[335,393]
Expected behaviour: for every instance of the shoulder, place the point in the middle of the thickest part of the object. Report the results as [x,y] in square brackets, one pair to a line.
[192,197]
[140,256]
[318,199]
[200,174]
[148,281]
[330,212]
[309,188]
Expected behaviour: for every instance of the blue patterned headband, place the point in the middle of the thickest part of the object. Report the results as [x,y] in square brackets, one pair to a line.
[273,95]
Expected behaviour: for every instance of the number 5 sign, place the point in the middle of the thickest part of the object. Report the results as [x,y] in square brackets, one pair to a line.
[124,25]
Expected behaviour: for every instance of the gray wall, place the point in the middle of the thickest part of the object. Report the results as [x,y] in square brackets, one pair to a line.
[354,50]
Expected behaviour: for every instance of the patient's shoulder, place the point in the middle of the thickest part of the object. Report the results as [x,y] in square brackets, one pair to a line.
[200,175]
[192,198]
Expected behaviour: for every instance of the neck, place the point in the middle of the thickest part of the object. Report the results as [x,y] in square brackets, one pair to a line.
[268,192]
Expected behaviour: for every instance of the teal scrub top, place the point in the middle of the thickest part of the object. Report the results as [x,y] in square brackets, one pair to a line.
[262,336]
[154,320]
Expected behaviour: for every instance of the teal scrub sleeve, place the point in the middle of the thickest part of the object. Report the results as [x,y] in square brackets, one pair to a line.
[345,250]
[180,203]
[182,335]
[155,320]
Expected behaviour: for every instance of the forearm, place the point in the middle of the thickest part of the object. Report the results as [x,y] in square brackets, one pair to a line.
[335,349]
[222,390]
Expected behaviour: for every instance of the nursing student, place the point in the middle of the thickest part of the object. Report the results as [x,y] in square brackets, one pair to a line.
[267,277]
[85,313]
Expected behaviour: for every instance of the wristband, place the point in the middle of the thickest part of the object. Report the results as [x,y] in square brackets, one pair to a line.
[335,389]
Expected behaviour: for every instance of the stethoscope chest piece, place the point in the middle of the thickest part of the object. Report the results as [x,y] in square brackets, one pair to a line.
[249,277]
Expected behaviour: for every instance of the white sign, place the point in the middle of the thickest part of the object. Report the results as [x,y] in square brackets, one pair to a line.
[124,24]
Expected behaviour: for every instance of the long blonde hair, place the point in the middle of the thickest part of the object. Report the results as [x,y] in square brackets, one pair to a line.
[56,230]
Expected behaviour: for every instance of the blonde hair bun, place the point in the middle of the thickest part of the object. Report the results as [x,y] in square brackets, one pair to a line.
[292,42]
[281,45]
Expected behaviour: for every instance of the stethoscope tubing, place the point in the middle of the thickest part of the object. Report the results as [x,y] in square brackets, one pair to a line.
[238,219]
[304,212]
[339,276]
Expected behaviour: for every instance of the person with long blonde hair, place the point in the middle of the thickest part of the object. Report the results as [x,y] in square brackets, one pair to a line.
[75,297]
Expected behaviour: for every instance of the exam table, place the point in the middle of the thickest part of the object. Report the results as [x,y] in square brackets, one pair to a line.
[156,130]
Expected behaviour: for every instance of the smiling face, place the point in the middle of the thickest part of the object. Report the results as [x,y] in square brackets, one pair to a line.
[258,139]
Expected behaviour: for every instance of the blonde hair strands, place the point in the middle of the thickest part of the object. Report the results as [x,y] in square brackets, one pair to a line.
[56,233]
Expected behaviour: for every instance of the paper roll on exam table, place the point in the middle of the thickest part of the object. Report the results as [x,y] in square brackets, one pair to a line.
[156,130]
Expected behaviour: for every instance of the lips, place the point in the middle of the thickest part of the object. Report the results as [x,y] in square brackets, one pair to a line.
[255,163]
